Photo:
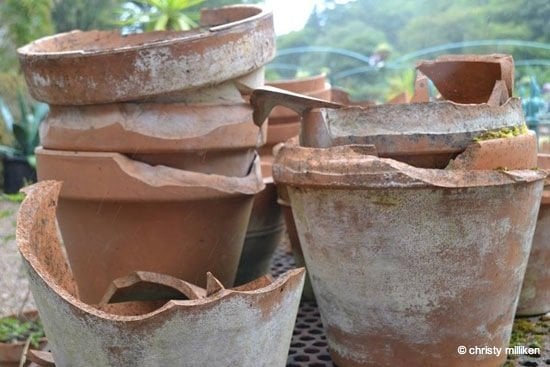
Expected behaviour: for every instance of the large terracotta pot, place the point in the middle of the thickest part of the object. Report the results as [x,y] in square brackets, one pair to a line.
[117,215]
[264,233]
[249,326]
[535,294]
[94,67]
[408,264]
[218,139]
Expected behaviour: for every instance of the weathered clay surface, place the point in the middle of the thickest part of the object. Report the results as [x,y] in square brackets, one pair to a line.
[448,273]
[150,127]
[469,78]
[518,152]
[264,233]
[104,66]
[106,209]
[249,326]
[535,294]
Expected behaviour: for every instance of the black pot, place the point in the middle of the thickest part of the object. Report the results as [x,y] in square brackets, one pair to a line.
[17,173]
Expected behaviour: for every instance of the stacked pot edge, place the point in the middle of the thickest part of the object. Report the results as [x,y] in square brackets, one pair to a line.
[415,224]
[158,173]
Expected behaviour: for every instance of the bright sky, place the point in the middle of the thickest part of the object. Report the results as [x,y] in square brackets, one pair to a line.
[290,15]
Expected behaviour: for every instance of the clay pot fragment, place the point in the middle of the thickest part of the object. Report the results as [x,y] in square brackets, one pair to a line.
[117,215]
[535,294]
[387,245]
[469,78]
[240,324]
[12,353]
[93,67]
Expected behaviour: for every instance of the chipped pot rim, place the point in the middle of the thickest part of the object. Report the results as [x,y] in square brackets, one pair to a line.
[254,13]
[43,197]
[355,167]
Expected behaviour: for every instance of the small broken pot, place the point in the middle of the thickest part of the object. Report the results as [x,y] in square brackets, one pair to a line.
[535,294]
[264,233]
[189,137]
[424,135]
[407,263]
[469,78]
[11,353]
[249,326]
[117,215]
[93,67]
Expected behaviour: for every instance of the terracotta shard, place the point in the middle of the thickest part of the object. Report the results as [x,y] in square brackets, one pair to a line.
[469,78]
[518,152]
[421,89]
[385,244]
[265,99]
[499,95]
[41,358]
[149,286]
[135,67]
[213,285]
[179,333]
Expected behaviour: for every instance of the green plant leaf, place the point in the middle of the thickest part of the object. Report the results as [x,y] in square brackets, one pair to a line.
[23,108]
[6,115]
[20,133]
[161,23]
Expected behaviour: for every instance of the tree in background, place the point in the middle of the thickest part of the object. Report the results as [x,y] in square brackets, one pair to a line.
[83,14]
[407,26]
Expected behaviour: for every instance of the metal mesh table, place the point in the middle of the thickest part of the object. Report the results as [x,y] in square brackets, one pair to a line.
[309,347]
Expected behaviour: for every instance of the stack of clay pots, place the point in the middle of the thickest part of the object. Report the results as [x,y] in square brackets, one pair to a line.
[415,219]
[154,141]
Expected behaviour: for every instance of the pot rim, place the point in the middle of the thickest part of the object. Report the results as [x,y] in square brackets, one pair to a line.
[43,196]
[355,167]
[192,35]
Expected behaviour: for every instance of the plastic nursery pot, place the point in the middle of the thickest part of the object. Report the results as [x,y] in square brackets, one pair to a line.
[407,263]
[535,294]
[188,137]
[117,215]
[248,326]
[17,172]
[11,353]
[95,67]
[264,233]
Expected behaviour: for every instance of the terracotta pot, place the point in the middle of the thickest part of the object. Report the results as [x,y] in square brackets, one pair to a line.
[469,78]
[277,134]
[117,215]
[535,294]
[95,67]
[264,233]
[387,245]
[127,334]
[11,353]
[425,135]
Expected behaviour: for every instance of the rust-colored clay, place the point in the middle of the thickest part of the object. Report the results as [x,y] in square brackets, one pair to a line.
[402,270]
[117,216]
[249,326]
[469,78]
[94,67]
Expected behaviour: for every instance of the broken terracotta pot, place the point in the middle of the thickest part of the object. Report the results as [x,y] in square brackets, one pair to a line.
[407,263]
[11,353]
[425,135]
[535,294]
[264,233]
[248,326]
[469,78]
[188,137]
[117,215]
[94,67]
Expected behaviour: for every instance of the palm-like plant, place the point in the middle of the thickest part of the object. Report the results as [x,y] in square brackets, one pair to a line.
[25,131]
[156,15]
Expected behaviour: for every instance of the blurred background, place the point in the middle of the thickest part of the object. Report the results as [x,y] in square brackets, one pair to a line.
[366,47]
